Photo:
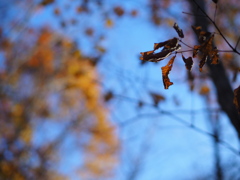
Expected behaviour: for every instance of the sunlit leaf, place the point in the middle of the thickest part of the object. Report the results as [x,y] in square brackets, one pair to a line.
[204,90]
[109,23]
[165,71]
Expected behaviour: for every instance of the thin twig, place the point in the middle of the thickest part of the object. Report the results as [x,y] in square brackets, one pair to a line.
[237,42]
[215,12]
[193,14]
[185,44]
[182,121]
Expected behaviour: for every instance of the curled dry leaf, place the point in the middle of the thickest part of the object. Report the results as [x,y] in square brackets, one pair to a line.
[236,99]
[165,71]
[150,56]
[159,45]
[168,47]
[172,44]
[178,30]
[156,98]
[188,62]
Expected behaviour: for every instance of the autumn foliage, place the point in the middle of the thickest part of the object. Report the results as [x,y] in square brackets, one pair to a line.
[52,66]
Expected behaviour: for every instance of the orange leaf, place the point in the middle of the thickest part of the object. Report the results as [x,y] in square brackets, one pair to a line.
[204,90]
[165,71]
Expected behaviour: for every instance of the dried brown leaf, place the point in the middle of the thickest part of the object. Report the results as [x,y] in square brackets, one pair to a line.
[165,71]
[188,62]
[108,96]
[156,98]
[196,50]
[178,30]
[236,99]
[46,2]
[150,56]
[118,10]
[214,56]
[159,45]
[172,44]
[202,62]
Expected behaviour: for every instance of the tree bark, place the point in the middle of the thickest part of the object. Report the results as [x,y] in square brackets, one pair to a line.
[218,74]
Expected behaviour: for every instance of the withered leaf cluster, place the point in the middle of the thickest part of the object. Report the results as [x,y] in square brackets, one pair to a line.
[168,47]
[206,47]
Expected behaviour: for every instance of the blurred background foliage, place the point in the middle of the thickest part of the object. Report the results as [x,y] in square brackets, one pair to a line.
[70,100]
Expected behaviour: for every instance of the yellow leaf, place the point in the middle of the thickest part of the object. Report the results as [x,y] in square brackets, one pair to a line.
[109,23]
